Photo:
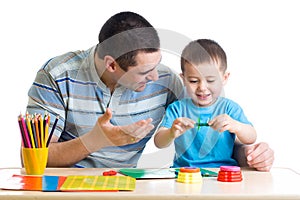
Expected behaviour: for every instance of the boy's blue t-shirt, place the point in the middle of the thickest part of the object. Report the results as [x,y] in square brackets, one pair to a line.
[203,146]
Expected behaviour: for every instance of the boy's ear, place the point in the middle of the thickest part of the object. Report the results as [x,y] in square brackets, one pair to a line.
[110,63]
[181,75]
[225,77]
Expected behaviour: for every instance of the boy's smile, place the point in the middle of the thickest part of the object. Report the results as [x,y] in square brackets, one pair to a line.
[204,83]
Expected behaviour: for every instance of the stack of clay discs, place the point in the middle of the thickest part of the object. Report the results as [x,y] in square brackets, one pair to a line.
[230,174]
[189,175]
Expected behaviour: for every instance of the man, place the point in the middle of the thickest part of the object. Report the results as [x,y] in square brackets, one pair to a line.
[110,97]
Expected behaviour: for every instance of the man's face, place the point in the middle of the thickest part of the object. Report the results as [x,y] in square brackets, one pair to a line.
[136,77]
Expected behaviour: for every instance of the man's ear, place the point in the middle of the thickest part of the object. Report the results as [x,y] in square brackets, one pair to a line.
[225,77]
[110,63]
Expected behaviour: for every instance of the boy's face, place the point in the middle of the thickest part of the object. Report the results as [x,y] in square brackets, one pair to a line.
[204,82]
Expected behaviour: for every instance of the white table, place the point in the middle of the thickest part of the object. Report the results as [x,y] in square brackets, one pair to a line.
[280,183]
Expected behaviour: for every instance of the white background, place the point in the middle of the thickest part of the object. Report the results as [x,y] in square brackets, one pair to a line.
[261,38]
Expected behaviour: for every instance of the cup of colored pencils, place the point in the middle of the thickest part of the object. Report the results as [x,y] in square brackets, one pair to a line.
[35,139]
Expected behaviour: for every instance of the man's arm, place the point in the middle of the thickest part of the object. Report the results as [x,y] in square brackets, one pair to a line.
[239,154]
[66,154]
[103,134]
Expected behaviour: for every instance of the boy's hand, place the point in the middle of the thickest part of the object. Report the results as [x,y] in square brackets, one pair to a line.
[223,123]
[180,126]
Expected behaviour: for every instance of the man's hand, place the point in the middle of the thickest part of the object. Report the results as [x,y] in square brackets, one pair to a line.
[105,134]
[260,156]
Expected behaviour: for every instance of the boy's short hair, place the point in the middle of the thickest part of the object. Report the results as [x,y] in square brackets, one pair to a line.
[204,51]
[124,35]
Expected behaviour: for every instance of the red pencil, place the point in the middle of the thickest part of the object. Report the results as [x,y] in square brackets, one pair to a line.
[25,132]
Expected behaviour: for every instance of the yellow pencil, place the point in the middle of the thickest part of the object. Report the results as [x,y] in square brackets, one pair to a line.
[42,130]
[30,130]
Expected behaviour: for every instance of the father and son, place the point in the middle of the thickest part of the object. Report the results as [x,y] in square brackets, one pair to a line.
[112,98]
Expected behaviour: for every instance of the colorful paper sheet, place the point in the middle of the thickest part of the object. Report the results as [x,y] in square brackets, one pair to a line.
[98,183]
[34,183]
[74,183]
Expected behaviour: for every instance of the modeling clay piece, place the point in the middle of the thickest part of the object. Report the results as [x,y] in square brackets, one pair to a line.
[199,124]
[230,174]
[109,173]
[189,175]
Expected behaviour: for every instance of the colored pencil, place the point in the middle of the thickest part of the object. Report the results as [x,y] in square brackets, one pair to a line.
[41,121]
[23,138]
[37,131]
[52,130]
[30,130]
[34,133]
[47,121]
[25,132]
[34,130]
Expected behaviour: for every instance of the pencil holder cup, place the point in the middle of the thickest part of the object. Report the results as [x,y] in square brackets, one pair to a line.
[35,160]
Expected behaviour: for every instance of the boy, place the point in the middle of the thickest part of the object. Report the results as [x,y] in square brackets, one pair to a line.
[204,65]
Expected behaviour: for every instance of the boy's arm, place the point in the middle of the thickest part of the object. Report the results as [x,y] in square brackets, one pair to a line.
[244,132]
[163,137]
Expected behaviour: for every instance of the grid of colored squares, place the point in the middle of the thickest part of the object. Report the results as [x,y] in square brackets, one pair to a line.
[35,130]
[230,174]
[98,183]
